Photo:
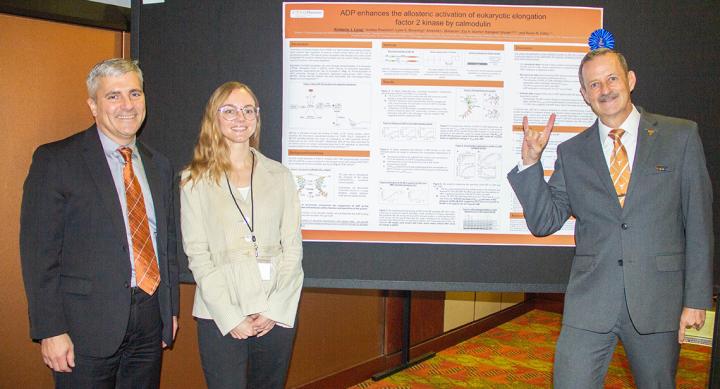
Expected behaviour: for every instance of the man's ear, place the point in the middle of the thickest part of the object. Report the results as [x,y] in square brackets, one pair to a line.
[631,80]
[93,106]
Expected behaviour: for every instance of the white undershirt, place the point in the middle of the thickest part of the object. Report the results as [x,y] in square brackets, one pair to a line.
[629,138]
[244,191]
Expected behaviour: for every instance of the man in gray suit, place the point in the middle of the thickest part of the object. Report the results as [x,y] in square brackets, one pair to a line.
[638,187]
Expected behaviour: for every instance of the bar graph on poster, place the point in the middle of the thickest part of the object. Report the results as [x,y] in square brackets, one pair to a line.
[401,121]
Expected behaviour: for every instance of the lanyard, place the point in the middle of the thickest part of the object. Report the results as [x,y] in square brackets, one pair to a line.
[252,205]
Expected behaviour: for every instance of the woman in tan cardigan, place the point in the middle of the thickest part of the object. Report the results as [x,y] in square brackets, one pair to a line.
[240,217]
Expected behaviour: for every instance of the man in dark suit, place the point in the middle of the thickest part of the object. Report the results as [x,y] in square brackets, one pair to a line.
[639,190]
[98,244]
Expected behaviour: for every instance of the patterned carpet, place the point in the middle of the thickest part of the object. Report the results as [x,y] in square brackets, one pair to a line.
[519,354]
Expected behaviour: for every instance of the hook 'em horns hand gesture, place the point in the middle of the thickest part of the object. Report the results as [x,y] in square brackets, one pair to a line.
[534,142]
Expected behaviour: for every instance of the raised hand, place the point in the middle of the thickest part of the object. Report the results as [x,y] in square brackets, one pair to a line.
[534,142]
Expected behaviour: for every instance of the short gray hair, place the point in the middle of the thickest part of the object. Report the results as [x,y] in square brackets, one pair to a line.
[597,53]
[112,67]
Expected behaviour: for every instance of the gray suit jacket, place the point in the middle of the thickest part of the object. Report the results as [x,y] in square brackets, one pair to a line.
[662,236]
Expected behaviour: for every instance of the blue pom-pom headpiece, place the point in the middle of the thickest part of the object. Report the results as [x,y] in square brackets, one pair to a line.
[601,38]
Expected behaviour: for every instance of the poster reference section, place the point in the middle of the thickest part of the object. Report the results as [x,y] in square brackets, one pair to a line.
[400,121]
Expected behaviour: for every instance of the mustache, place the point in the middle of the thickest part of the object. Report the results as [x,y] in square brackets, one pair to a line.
[608,97]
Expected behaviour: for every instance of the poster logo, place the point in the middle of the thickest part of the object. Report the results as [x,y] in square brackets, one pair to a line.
[307,13]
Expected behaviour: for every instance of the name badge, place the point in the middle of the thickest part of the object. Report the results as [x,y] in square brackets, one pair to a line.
[265,270]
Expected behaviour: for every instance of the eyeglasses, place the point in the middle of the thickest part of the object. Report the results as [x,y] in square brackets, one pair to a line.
[231,112]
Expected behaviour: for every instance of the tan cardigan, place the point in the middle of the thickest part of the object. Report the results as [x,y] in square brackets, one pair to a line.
[229,286]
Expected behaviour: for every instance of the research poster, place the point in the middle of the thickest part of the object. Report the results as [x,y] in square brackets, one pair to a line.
[401,121]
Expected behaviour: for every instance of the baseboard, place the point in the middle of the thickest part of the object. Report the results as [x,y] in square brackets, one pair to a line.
[365,370]
[551,302]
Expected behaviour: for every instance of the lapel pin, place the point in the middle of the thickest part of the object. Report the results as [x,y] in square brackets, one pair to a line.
[661,168]
[650,131]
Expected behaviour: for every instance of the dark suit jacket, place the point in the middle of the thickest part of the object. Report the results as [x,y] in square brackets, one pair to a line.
[663,234]
[73,245]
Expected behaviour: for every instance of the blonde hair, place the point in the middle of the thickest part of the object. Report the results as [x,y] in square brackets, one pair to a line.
[211,155]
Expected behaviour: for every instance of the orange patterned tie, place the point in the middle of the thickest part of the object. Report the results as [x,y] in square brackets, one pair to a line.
[147,274]
[619,165]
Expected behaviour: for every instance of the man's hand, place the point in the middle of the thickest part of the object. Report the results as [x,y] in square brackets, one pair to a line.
[534,142]
[175,328]
[58,353]
[263,325]
[690,317]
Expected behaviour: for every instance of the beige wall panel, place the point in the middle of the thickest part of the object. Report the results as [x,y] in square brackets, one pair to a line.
[42,91]
[487,303]
[459,309]
[511,298]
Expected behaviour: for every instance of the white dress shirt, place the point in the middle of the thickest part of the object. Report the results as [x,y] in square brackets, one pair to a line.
[629,139]
[116,162]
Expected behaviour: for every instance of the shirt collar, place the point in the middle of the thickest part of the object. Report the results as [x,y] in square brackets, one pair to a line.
[630,125]
[110,147]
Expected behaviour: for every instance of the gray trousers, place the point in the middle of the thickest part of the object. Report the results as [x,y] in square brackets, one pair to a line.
[582,357]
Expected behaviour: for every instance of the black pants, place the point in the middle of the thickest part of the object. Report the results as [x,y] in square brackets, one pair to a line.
[136,364]
[255,363]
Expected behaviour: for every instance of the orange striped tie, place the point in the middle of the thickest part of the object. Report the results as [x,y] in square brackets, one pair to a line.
[619,165]
[147,274]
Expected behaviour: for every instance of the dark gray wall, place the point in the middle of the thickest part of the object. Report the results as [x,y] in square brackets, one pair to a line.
[188,47]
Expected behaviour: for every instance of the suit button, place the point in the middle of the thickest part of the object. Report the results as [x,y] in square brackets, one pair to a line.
[126,284]
[624,226]
[620,262]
